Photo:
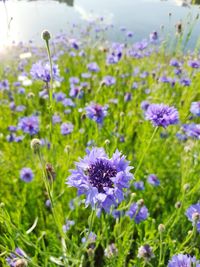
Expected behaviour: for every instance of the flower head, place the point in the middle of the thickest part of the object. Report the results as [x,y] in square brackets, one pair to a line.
[193,214]
[192,130]
[153,180]
[17,257]
[29,125]
[162,115]
[145,252]
[182,260]
[26,174]
[96,112]
[66,128]
[195,108]
[138,213]
[101,179]
[42,72]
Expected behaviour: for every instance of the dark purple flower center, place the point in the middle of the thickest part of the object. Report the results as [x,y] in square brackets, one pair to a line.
[100,173]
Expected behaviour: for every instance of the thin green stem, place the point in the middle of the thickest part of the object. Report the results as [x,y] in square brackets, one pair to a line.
[146,150]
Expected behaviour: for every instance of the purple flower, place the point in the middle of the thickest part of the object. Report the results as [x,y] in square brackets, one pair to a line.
[138,213]
[29,125]
[101,179]
[60,96]
[145,252]
[67,102]
[144,105]
[42,72]
[93,67]
[96,112]
[14,258]
[192,130]
[109,80]
[182,260]
[111,251]
[195,108]
[185,81]
[4,85]
[153,180]
[162,115]
[26,174]
[153,36]
[193,214]
[56,118]
[74,80]
[139,185]
[66,128]
[129,34]
[91,238]
[175,63]
[127,97]
[67,225]
[195,64]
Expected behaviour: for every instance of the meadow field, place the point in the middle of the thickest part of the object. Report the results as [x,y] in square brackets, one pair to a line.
[99,152]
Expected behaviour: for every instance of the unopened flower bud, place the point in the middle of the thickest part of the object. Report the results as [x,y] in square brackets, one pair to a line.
[46,35]
[51,174]
[186,187]
[35,144]
[107,142]
[161,228]
[145,252]
[140,202]
[178,205]
[21,263]
[195,217]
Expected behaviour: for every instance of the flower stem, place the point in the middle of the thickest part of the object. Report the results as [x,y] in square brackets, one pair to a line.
[147,148]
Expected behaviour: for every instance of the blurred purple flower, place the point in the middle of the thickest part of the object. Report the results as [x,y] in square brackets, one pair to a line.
[182,260]
[153,180]
[96,112]
[193,215]
[26,174]
[138,213]
[29,125]
[162,115]
[195,108]
[66,128]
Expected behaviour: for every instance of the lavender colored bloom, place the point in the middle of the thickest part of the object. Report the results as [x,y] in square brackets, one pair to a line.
[21,91]
[182,260]
[29,125]
[20,108]
[138,213]
[42,72]
[4,85]
[66,128]
[101,179]
[93,67]
[74,80]
[153,180]
[91,238]
[86,75]
[109,80]
[15,257]
[96,112]
[145,252]
[192,130]
[144,105]
[135,85]
[67,102]
[175,63]
[139,185]
[26,174]
[195,108]
[162,115]
[181,137]
[153,36]
[56,118]
[60,96]
[68,224]
[195,64]
[193,214]
[129,34]
[111,251]
[185,81]
[127,97]
[76,91]
[12,128]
